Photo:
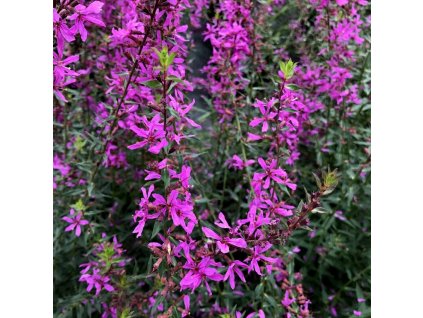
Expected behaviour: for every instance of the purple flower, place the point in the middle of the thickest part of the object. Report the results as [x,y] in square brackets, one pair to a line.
[222,242]
[254,220]
[86,14]
[273,173]
[62,31]
[186,312]
[152,175]
[153,135]
[296,249]
[286,301]
[141,216]
[96,280]
[257,256]
[200,273]
[60,70]
[75,221]
[223,223]
[234,269]
[237,163]
[268,115]
[260,314]
[340,215]
[178,210]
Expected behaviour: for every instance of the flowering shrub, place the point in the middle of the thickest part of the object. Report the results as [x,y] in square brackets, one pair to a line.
[238,188]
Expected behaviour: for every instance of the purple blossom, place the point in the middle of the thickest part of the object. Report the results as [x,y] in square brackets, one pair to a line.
[199,273]
[223,242]
[153,135]
[267,114]
[286,301]
[257,255]
[85,14]
[75,221]
[272,173]
[62,31]
[234,268]
[96,280]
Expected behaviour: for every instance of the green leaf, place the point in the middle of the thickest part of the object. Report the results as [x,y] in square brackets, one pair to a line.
[292,87]
[287,68]
[156,229]
[79,206]
[319,210]
[152,84]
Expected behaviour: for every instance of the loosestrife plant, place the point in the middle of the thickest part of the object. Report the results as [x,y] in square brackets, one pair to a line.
[194,191]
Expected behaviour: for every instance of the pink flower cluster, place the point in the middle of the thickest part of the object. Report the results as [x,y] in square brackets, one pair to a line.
[107,264]
[69,20]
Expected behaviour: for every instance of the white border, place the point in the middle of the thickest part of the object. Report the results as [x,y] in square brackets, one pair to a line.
[26,159]
[397,148]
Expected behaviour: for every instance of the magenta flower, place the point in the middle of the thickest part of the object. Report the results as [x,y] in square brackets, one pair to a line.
[141,216]
[237,163]
[254,220]
[200,273]
[60,70]
[223,242]
[253,137]
[75,221]
[96,280]
[184,177]
[268,115]
[234,268]
[258,256]
[62,31]
[286,301]
[341,2]
[272,173]
[154,135]
[357,313]
[152,175]
[86,14]
[340,215]
[186,312]
[178,210]
[58,164]
[279,208]
[223,223]
[260,314]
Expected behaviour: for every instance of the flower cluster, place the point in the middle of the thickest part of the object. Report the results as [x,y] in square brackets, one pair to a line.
[107,263]
[69,20]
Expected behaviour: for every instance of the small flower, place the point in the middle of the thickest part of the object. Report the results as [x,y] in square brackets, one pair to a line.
[234,269]
[272,173]
[62,31]
[286,301]
[186,312]
[268,115]
[75,222]
[222,242]
[340,215]
[86,14]
[154,135]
